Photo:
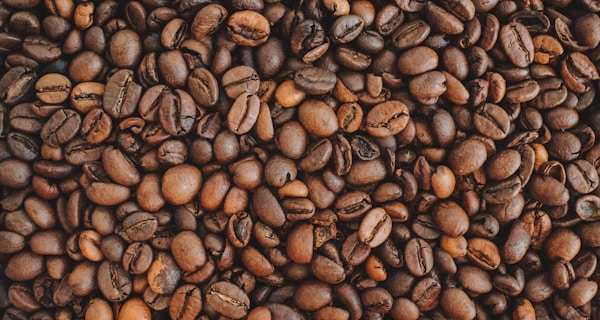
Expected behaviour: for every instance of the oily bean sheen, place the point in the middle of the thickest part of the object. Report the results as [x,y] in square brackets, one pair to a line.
[316,159]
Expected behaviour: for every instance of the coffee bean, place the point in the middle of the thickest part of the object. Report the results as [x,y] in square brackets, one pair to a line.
[125,48]
[239,80]
[96,126]
[227,299]
[483,253]
[41,49]
[248,28]
[121,94]
[317,118]
[411,33]
[451,298]
[315,81]
[417,60]
[243,113]
[53,88]
[312,295]
[492,121]
[22,146]
[134,308]
[163,274]
[62,126]
[375,227]
[203,87]
[346,28]
[467,156]
[114,282]
[208,20]
[418,256]
[388,118]
[577,72]
[186,302]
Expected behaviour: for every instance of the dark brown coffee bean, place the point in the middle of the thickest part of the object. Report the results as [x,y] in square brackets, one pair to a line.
[125,48]
[203,87]
[62,126]
[502,191]
[314,80]
[457,304]
[503,164]
[173,69]
[137,258]
[577,72]
[517,44]
[377,300]
[388,19]
[139,226]
[208,20]
[239,80]
[12,242]
[467,157]
[41,49]
[243,113]
[375,227]
[186,302]
[492,121]
[23,146]
[435,15]
[268,208]
[418,257]
[388,118]
[114,282]
[177,112]
[308,35]
[312,295]
[586,207]
[121,94]
[227,299]
[346,28]
[96,126]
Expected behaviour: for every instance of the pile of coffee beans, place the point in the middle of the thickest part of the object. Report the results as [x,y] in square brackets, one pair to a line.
[299,159]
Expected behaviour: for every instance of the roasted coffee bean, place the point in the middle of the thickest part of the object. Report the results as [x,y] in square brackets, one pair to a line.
[517,44]
[186,302]
[418,257]
[346,28]
[375,227]
[239,80]
[96,126]
[243,113]
[114,282]
[410,34]
[203,87]
[467,156]
[22,146]
[578,72]
[315,81]
[248,28]
[227,299]
[121,94]
[62,126]
[208,20]
[41,49]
